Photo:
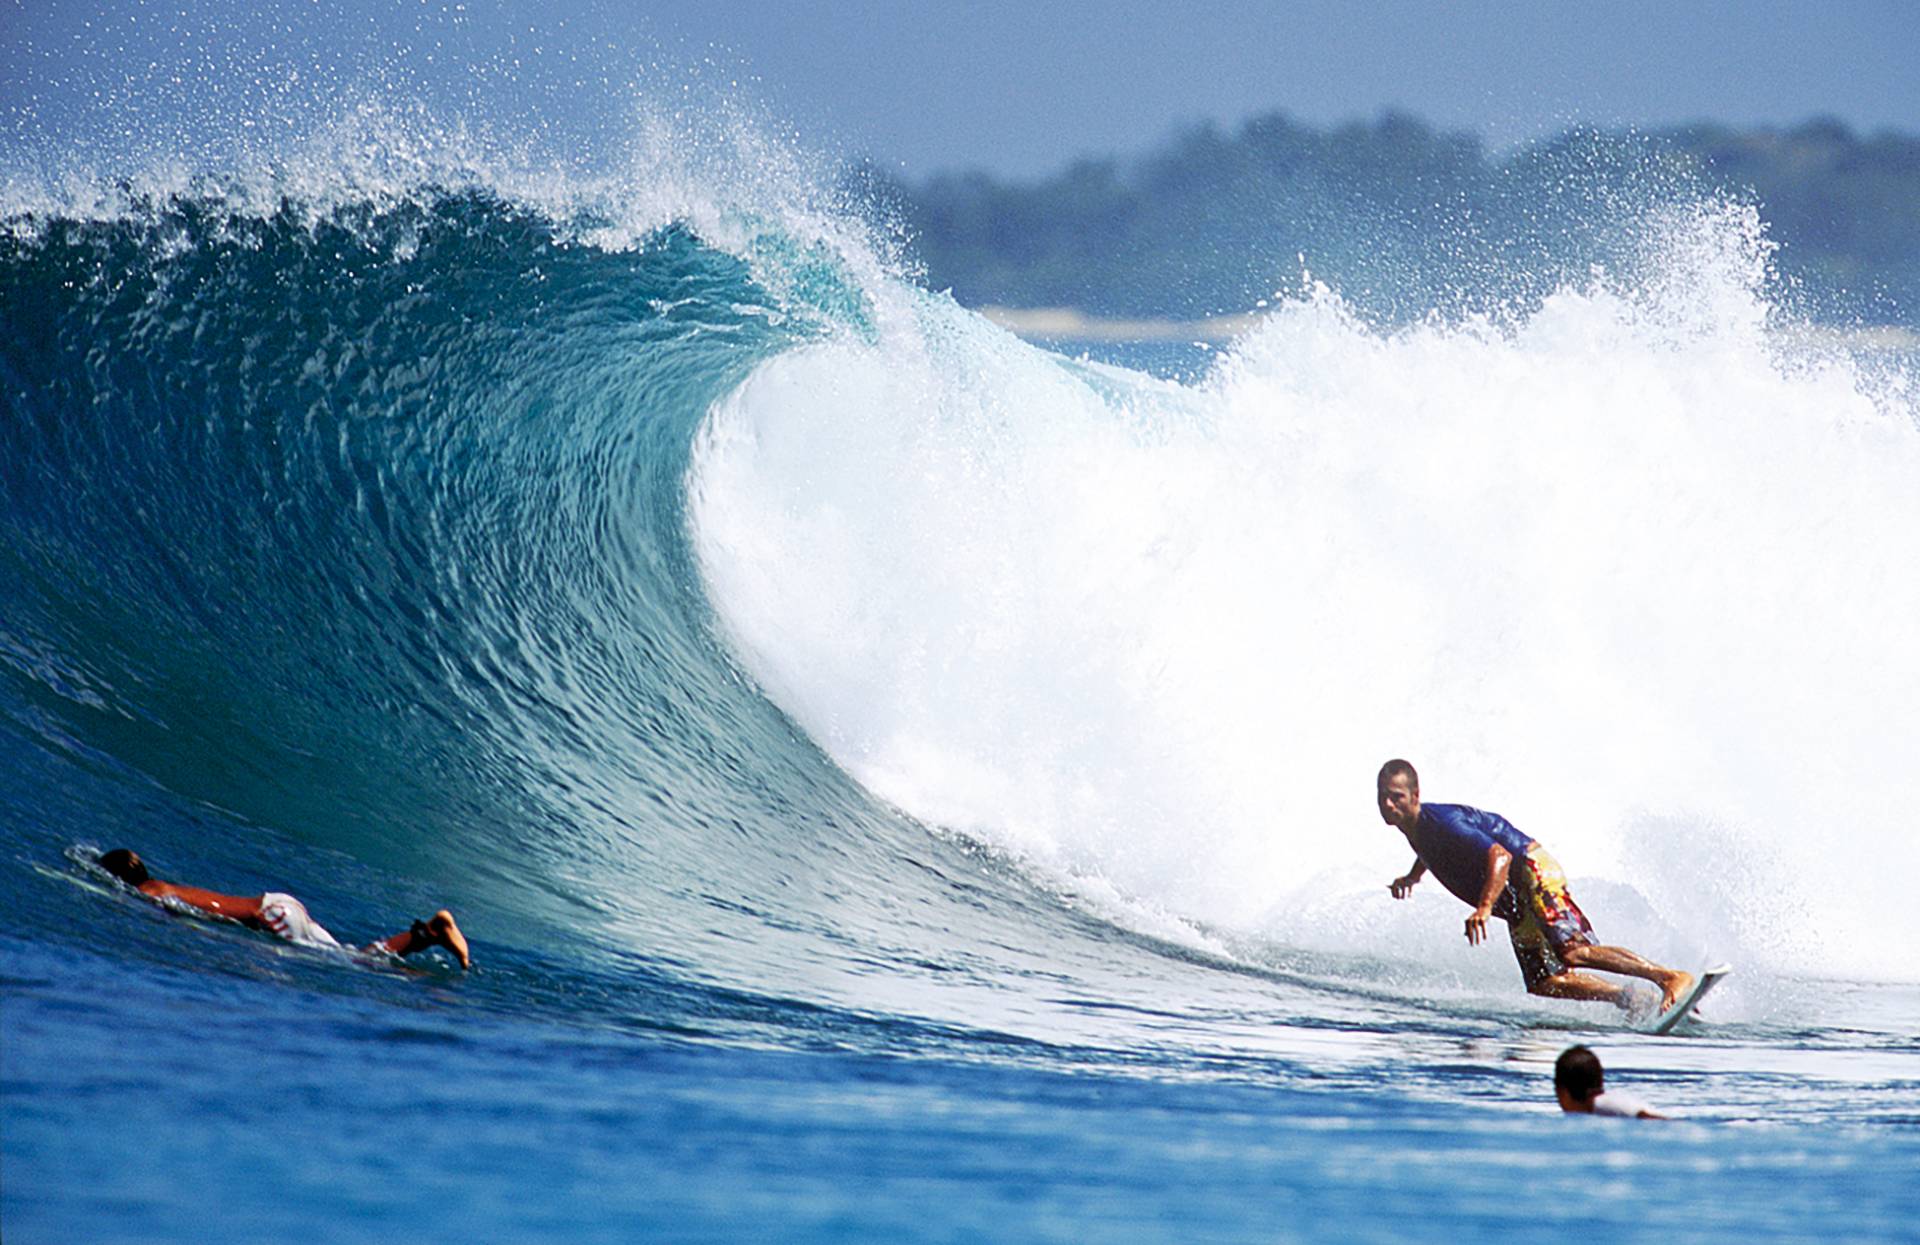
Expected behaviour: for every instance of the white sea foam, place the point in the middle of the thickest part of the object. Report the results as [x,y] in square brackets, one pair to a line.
[1636,570]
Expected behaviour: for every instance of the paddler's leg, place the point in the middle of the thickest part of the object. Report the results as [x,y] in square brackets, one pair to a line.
[439,930]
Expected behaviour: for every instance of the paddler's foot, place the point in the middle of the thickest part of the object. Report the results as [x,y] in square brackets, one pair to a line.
[1672,986]
[443,932]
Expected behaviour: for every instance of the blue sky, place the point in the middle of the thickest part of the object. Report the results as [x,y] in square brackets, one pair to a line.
[1018,88]
[1022,87]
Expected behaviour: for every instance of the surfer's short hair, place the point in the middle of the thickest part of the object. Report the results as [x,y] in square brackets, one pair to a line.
[1395,767]
[126,866]
[1578,1072]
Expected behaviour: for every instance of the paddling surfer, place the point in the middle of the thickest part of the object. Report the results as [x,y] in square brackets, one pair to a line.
[1484,860]
[284,915]
[1580,1083]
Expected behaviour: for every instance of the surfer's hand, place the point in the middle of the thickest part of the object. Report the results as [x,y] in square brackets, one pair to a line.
[1477,928]
[1402,887]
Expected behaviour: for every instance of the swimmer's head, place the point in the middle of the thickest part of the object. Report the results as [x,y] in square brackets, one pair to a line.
[1578,1079]
[127,866]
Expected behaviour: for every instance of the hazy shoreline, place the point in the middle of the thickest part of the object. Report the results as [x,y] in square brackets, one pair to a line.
[1403,218]
[1072,324]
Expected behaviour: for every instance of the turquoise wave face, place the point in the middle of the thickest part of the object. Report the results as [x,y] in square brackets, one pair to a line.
[300,469]
[366,530]
[349,557]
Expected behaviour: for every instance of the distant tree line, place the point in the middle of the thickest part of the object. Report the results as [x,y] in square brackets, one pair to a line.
[1404,220]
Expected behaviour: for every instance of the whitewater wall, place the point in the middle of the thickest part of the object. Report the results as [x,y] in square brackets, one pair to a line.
[1633,567]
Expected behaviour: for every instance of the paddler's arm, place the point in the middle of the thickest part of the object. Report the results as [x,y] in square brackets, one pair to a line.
[1402,887]
[1499,859]
[242,908]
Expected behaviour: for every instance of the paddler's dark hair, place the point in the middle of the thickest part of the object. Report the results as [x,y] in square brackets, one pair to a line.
[1578,1072]
[1397,766]
[126,866]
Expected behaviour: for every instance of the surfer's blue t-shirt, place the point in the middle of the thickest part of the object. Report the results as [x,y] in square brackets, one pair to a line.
[1452,841]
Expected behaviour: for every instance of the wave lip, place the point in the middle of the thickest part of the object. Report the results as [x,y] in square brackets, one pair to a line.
[355,523]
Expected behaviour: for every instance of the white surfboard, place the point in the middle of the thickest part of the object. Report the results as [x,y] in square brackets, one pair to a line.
[1702,982]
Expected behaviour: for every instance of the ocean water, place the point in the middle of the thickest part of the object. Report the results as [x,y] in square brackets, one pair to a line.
[903,782]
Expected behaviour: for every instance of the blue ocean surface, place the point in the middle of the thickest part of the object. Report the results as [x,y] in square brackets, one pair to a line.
[903,783]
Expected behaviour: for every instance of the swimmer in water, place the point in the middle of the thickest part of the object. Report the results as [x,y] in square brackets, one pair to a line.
[1580,1083]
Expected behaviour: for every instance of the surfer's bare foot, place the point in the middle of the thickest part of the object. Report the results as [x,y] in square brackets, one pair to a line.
[1672,986]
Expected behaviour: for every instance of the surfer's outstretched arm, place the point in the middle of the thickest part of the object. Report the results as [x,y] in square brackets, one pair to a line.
[1499,862]
[1403,886]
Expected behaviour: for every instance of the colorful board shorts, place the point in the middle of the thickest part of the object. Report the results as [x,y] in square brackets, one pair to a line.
[287,917]
[1542,919]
